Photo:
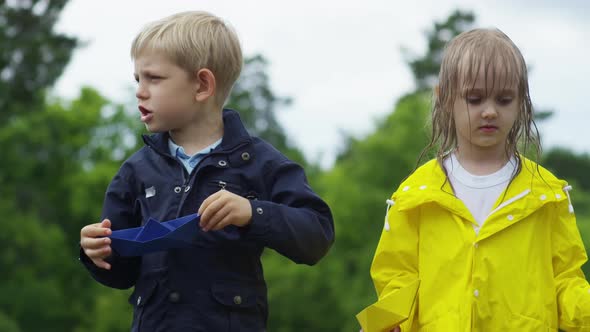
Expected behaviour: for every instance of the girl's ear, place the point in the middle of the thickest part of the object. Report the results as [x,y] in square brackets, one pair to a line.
[205,85]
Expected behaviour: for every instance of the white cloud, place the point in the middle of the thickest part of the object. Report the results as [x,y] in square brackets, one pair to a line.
[341,60]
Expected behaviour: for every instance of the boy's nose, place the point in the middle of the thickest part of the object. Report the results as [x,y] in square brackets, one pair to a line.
[141,92]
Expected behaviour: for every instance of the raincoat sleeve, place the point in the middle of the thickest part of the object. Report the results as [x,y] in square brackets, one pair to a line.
[569,254]
[395,264]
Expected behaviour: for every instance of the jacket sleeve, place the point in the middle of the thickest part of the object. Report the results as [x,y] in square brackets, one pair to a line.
[119,207]
[569,254]
[293,220]
[395,264]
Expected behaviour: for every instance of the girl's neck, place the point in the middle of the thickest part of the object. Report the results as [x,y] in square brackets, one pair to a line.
[481,162]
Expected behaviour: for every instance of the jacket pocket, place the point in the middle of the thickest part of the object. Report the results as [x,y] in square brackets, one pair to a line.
[228,184]
[244,302]
[139,299]
[525,323]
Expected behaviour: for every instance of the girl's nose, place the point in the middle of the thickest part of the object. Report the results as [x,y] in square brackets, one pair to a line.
[489,112]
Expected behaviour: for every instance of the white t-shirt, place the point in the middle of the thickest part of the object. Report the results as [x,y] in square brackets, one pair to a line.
[478,192]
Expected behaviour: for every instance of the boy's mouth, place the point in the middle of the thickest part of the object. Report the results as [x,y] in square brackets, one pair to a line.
[146,115]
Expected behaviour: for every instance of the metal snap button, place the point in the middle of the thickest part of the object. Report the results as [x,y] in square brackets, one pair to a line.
[222,163]
[138,300]
[237,299]
[259,210]
[245,156]
[177,189]
[174,297]
[187,188]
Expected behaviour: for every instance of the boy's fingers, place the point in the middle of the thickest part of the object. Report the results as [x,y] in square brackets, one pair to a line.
[94,243]
[207,202]
[106,223]
[219,220]
[101,263]
[98,253]
[212,208]
[225,221]
[95,230]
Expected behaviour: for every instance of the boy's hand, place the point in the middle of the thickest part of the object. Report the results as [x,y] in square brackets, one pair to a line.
[224,208]
[95,247]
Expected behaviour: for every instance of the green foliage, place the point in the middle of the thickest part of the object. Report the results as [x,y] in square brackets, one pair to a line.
[32,55]
[326,297]
[569,165]
[58,172]
[59,156]
[257,104]
[426,67]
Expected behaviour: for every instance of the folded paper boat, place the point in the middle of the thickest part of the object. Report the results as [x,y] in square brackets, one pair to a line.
[389,311]
[155,236]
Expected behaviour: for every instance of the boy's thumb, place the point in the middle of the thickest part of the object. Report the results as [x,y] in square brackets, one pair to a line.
[106,223]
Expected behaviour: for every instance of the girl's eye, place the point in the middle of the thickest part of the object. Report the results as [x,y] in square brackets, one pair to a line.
[474,100]
[504,100]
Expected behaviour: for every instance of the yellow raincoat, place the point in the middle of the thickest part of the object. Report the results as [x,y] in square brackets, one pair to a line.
[520,273]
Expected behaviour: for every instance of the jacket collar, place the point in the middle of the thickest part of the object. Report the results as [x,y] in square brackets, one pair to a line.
[234,134]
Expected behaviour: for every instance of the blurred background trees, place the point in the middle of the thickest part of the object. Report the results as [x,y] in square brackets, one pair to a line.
[59,155]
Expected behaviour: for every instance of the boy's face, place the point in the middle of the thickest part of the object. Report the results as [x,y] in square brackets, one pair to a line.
[485,112]
[166,93]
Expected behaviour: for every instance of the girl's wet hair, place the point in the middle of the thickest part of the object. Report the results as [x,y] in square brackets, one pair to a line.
[504,66]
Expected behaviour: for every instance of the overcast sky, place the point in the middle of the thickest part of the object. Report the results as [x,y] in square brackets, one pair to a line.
[340,61]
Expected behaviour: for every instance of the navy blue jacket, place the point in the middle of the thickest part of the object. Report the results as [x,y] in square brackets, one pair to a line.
[218,285]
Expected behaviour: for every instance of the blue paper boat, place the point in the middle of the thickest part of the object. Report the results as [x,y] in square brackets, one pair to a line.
[156,236]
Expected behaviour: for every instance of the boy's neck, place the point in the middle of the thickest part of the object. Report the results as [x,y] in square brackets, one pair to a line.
[200,134]
[481,162]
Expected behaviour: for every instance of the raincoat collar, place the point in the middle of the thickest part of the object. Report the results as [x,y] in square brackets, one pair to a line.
[531,189]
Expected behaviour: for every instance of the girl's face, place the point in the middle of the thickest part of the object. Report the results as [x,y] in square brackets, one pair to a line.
[484,113]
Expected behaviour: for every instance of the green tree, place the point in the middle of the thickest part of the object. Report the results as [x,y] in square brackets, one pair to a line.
[32,55]
[327,296]
[426,67]
[253,98]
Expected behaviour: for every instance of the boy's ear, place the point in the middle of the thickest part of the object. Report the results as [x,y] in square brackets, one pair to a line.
[205,84]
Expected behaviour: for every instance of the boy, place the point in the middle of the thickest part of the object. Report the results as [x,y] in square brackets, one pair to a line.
[248,195]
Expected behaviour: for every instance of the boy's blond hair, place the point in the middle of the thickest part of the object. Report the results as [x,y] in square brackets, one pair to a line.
[195,40]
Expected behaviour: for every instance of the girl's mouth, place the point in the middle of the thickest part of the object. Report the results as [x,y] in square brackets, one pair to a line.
[488,129]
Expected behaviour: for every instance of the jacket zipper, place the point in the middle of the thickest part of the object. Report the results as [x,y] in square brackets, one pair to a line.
[510,201]
[191,177]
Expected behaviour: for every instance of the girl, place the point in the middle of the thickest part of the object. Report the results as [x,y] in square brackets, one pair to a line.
[490,235]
